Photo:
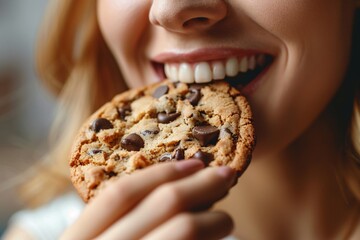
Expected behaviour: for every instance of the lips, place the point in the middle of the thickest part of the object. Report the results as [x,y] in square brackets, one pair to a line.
[203,66]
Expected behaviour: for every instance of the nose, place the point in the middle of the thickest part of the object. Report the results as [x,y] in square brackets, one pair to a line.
[186,16]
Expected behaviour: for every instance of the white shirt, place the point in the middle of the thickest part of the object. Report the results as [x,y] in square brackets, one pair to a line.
[49,221]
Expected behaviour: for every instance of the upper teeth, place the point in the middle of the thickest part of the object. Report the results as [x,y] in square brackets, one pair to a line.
[202,72]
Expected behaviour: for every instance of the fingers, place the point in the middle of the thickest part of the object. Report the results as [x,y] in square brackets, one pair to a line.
[119,197]
[202,188]
[205,225]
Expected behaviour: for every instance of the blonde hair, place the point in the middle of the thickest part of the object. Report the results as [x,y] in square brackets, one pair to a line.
[75,63]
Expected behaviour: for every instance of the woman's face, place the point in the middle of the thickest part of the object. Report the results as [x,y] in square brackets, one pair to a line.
[288,56]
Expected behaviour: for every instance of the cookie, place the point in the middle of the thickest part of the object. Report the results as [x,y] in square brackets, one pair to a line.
[162,122]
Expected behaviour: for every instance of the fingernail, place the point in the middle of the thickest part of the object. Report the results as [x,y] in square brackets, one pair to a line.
[227,173]
[189,165]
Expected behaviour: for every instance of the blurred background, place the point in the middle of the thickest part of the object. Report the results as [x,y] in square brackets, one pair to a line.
[26,109]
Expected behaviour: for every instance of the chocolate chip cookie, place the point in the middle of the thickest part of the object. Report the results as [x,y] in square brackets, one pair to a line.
[162,122]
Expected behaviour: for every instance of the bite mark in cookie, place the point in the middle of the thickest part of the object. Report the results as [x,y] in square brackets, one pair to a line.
[159,123]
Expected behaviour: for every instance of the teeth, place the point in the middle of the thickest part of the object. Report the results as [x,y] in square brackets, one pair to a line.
[167,71]
[173,73]
[186,73]
[232,67]
[204,72]
[243,67]
[252,63]
[218,70]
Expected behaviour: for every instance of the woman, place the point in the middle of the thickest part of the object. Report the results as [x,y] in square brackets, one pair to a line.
[303,182]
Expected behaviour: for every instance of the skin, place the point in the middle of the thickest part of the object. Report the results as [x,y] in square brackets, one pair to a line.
[292,172]
[300,46]
[290,190]
[291,177]
[182,192]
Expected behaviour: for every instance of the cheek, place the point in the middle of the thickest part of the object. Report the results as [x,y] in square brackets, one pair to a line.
[310,66]
[291,19]
[122,23]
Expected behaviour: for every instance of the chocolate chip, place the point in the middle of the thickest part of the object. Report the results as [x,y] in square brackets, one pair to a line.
[166,118]
[204,156]
[194,96]
[94,151]
[101,123]
[149,132]
[179,154]
[165,157]
[132,142]
[160,91]
[206,134]
[124,110]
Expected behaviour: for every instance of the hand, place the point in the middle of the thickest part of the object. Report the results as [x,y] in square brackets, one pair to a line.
[168,200]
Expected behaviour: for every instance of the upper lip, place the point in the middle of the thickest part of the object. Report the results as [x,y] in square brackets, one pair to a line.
[204,54]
